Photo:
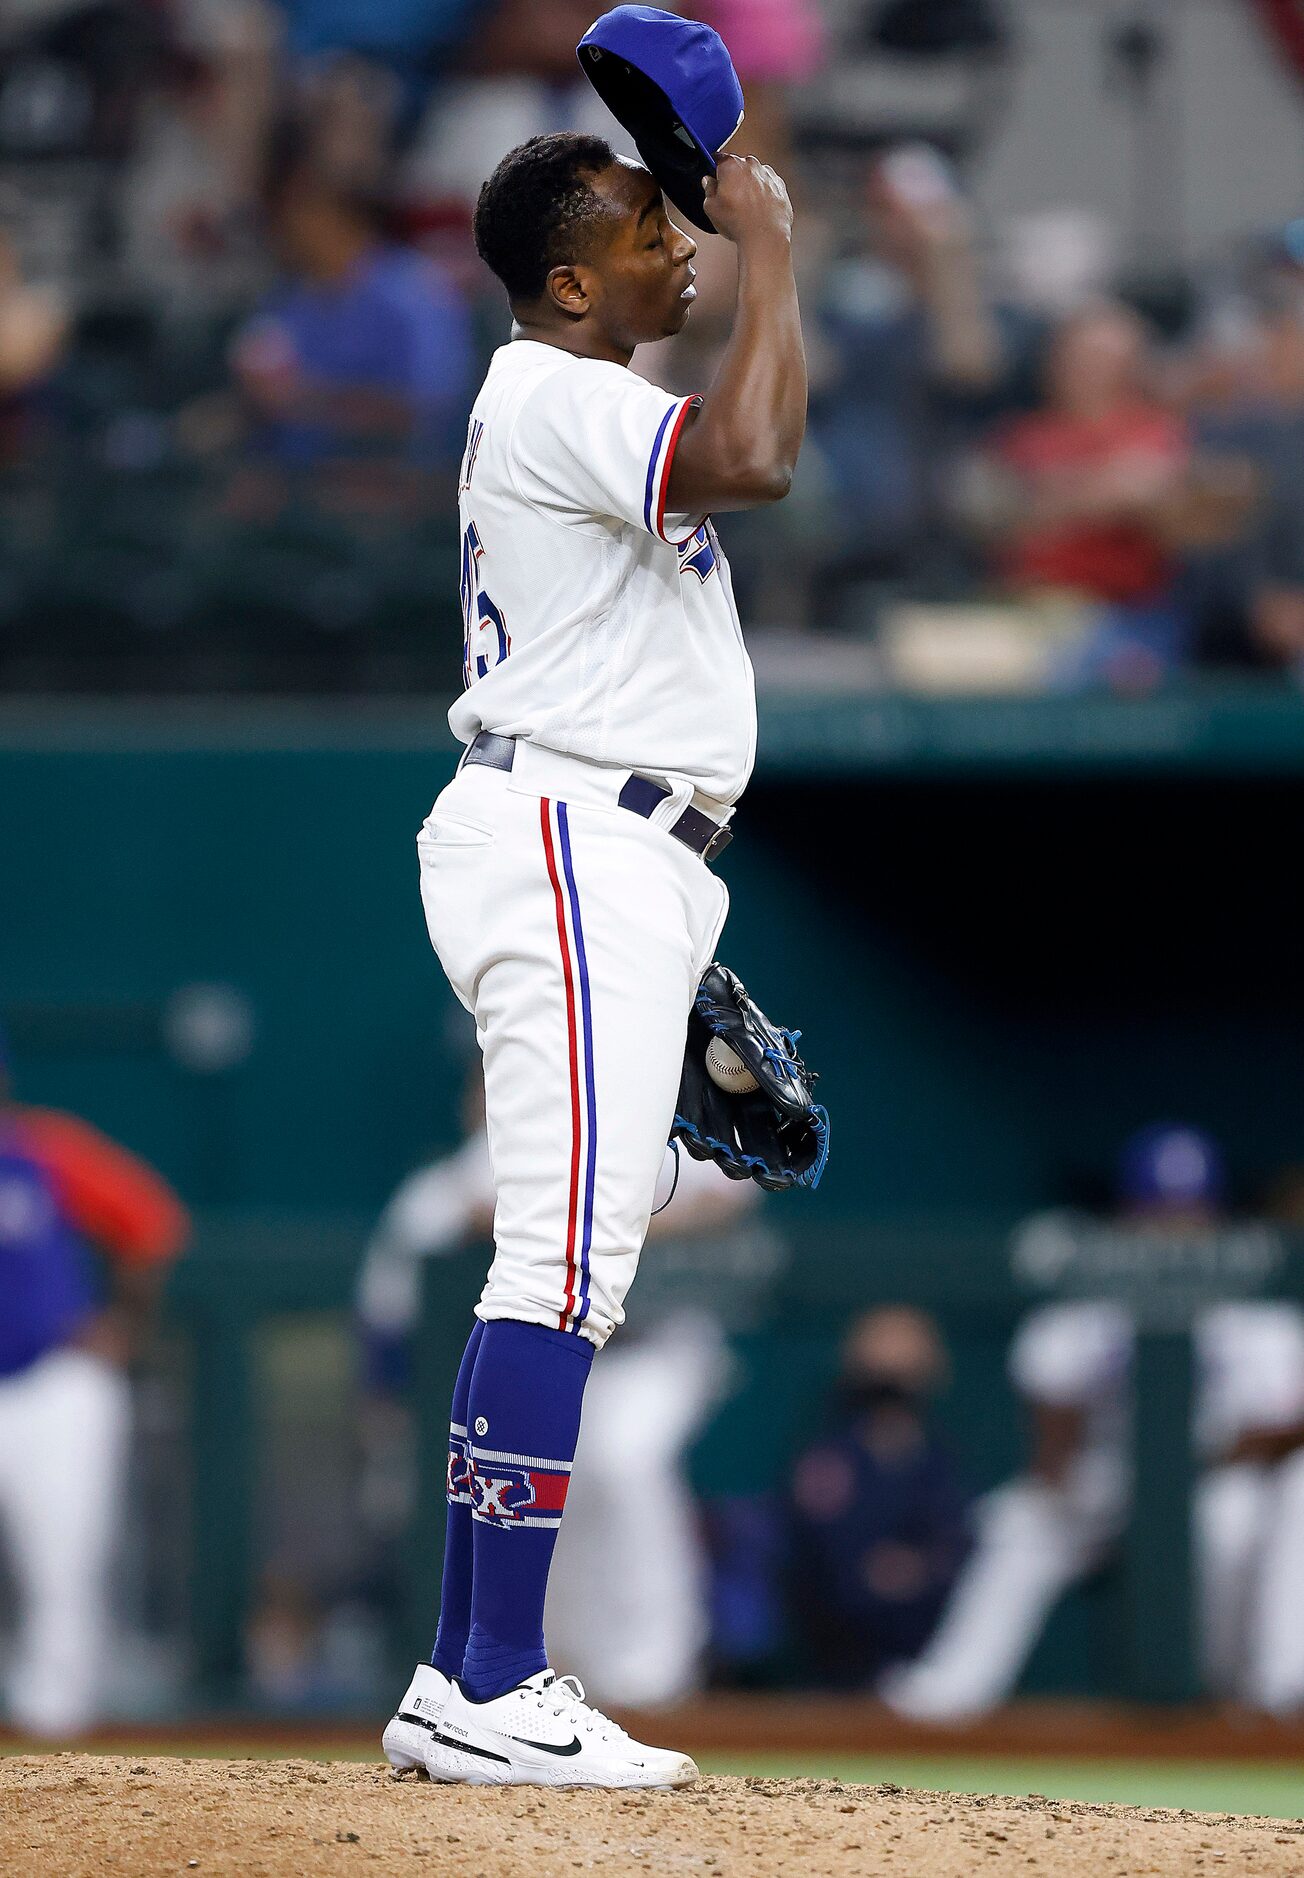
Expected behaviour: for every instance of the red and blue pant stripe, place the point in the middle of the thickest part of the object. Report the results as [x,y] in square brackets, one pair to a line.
[555,827]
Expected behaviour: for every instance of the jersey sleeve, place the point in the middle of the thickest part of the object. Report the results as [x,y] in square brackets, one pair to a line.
[1070,1355]
[1251,1368]
[107,1194]
[427,1215]
[595,441]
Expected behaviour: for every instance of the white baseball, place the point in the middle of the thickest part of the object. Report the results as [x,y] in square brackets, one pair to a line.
[727,1070]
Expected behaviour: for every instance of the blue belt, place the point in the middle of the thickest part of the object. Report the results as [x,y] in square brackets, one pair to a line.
[640,796]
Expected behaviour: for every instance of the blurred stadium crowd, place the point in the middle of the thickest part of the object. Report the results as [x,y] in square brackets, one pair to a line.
[241,319]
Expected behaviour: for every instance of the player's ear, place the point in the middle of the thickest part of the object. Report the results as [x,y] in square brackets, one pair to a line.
[566,289]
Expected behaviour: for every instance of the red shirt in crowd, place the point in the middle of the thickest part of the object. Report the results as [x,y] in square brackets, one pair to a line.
[1120,558]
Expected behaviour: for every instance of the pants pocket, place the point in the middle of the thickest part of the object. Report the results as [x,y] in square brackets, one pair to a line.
[443,830]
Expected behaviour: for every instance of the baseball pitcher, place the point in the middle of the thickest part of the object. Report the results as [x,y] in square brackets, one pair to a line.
[609,724]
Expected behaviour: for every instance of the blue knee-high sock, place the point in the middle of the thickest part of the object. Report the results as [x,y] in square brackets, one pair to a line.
[455,1598]
[524,1422]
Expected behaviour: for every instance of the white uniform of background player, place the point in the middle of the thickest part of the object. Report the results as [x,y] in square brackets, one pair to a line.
[1035,1539]
[66,1334]
[627,1604]
[602,634]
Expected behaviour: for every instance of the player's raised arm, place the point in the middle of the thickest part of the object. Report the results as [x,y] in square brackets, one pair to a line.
[739,450]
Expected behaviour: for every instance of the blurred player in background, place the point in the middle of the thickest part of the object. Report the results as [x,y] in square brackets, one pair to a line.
[1042,1532]
[33,337]
[879,1515]
[627,1603]
[65,1341]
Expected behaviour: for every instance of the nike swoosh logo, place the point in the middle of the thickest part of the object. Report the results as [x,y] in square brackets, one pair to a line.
[549,1747]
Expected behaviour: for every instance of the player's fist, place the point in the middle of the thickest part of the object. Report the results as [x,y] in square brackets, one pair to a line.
[748,201]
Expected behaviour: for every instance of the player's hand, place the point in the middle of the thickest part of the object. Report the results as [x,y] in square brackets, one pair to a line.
[748,201]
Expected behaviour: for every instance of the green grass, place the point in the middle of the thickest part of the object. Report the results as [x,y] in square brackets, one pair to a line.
[1274,1788]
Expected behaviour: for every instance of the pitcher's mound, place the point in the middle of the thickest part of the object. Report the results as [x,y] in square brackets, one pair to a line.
[108,1816]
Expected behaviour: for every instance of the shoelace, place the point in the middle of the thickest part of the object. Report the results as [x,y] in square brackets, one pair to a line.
[582,1714]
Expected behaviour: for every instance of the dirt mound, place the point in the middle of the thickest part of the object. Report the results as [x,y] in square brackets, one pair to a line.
[78,1815]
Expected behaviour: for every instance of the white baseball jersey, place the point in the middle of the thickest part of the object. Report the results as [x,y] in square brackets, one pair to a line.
[597,624]
[1249,1367]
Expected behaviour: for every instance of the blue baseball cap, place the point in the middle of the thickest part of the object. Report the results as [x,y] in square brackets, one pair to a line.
[672,84]
[1170,1165]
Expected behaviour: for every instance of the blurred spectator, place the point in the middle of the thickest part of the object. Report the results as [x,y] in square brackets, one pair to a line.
[1277,599]
[366,347]
[408,35]
[368,72]
[1042,1532]
[1077,495]
[1245,386]
[1053,262]
[534,38]
[65,1341]
[518,78]
[72,74]
[774,44]
[920,357]
[33,334]
[628,1603]
[189,199]
[132,134]
[74,79]
[879,1516]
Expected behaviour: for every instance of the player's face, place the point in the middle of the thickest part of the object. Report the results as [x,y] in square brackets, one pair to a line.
[642,282]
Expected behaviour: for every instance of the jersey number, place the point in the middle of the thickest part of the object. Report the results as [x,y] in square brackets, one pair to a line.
[485,639]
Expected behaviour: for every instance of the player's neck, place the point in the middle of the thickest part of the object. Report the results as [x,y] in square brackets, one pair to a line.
[583,342]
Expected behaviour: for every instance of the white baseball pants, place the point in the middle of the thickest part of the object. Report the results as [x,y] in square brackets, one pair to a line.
[1250,1534]
[576,933]
[1035,1541]
[64,1425]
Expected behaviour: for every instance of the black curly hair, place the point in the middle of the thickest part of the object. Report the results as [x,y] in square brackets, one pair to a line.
[538,209]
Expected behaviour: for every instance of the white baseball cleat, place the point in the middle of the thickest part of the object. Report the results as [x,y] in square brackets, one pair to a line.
[410,1736]
[543,1733]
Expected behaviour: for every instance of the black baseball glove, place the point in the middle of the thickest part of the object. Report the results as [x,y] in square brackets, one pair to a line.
[775,1134]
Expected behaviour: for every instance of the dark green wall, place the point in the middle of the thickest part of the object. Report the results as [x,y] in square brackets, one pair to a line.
[289,875]
[997,980]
